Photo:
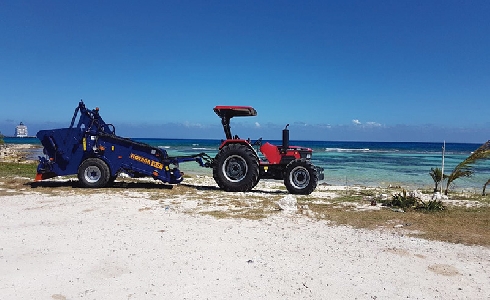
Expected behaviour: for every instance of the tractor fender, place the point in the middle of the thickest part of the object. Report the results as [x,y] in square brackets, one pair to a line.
[235,141]
[240,142]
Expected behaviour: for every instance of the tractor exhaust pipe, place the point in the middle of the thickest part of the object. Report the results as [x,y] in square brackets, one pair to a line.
[285,138]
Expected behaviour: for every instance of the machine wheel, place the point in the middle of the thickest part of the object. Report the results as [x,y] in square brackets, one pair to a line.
[236,168]
[93,173]
[300,177]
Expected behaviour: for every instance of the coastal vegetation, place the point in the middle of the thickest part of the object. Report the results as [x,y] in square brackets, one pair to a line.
[407,201]
[466,167]
[1,138]
[437,176]
[485,187]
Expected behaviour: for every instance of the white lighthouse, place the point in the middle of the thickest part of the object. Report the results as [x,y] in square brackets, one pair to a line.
[21,130]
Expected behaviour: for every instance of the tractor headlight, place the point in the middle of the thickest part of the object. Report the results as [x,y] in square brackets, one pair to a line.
[308,156]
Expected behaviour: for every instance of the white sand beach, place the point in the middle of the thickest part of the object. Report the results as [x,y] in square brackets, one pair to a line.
[75,243]
[126,246]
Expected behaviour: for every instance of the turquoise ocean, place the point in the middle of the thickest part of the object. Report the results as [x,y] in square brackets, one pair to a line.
[405,164]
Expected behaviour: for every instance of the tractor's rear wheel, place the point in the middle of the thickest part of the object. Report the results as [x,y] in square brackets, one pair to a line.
[300,177]
[236,168]
[93,173]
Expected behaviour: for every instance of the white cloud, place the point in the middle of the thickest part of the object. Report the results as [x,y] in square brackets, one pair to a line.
[192,125]
[373,124]
[257,124]
[356,122]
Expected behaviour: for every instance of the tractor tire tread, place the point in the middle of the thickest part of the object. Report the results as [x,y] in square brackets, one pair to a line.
[313,177]
[251,178]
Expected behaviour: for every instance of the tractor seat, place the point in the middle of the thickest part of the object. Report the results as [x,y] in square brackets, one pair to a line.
[271,152]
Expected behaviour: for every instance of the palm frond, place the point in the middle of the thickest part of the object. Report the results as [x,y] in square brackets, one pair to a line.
[436,174]
[482,152]
[465,168]
[485,186]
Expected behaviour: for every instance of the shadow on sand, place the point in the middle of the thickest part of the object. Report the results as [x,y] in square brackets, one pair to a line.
[215,188]
[138,185]
[115,185]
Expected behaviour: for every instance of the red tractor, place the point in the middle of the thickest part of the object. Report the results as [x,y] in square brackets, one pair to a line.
[238,168]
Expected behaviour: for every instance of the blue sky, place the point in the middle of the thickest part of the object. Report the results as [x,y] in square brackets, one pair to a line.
[334,70]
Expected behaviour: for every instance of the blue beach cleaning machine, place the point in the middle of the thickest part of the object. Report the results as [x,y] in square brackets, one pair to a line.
[94,152]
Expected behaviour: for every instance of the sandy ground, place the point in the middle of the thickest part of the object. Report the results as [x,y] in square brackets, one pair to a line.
[130,246]
[121,246]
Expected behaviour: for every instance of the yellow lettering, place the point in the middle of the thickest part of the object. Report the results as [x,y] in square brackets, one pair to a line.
[146,161]
[156,164]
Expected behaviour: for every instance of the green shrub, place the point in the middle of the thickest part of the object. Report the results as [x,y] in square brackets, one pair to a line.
[401,200]
[404,201]
[432,205]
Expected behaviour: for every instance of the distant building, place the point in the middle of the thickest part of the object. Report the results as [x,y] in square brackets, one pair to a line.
[21,130]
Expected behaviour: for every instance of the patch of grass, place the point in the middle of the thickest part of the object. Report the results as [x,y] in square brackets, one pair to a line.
[13,169]
[253,208]
[367,192]
[459,225]
[455,224]
[250,214]
[476,196]
[351,197]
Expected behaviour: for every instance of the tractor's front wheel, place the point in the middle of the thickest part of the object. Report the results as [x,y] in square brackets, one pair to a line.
[93,173]
[236,168]
[300,177]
